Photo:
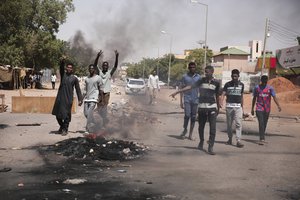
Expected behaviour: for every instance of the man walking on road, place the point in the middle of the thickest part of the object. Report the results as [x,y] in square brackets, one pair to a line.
[208,107]
[53,80]
[233,90]
[64,99]
[91,96]
[153,86]
[190,99]
[262,94]
[106,75]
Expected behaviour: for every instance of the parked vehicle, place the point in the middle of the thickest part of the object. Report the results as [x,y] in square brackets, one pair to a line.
[135,86]
[161,83]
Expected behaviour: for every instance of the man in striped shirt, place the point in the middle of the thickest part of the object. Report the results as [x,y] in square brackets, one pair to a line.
[208,107]
[233,90]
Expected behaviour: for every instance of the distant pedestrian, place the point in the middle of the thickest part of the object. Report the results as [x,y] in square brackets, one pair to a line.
[189,99]
[91,96]
[64,99]
[208,107]
[233,90]
[53,80]
[106,76]
[262,94]
[153,86]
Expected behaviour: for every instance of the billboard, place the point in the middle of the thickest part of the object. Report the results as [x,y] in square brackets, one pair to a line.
[288,60]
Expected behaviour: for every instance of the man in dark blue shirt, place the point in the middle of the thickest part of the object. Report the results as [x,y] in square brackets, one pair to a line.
[189,99]
[208,107]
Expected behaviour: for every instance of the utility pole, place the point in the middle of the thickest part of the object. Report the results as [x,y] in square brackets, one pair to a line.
[157,69]
[264,48]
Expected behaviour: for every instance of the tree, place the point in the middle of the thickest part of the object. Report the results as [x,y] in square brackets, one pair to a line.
[197,56]
[28,29]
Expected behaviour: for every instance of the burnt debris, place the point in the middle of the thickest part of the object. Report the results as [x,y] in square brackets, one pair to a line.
[99,149]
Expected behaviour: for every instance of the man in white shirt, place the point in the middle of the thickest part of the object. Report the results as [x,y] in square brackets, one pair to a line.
[53,79]
[153,86]
[106,75]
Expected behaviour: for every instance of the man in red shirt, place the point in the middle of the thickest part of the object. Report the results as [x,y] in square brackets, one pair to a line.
[262,97]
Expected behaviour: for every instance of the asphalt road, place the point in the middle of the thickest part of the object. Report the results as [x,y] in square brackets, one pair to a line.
[172,169]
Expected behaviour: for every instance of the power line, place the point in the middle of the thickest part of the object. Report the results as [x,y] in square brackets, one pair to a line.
[286,34]
[289,30]
[284,41]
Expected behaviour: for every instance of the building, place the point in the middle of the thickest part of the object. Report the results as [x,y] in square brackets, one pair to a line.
[233,58]
[184,55]
[255,50]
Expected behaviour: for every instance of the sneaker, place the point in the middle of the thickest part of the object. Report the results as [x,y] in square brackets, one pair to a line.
[200,145]
[229,142]
[239,145]
[64,132]
[210,150]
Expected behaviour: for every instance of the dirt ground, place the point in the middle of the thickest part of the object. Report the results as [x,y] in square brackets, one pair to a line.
[172,169]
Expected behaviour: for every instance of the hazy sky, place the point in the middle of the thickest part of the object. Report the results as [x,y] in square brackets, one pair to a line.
[134,26]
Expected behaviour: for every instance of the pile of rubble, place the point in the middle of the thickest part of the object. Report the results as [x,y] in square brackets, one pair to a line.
[99,149]
[288,92]
[281,84]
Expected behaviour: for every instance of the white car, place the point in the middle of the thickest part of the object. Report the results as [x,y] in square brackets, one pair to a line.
[161,83]
[135,86]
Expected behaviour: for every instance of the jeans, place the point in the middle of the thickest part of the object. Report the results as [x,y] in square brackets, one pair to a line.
[89,111]
[235,114]
[190,112]
[262,118]
[209,115]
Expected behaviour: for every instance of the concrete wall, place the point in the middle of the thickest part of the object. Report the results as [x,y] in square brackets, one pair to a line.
[22,104]
[230,62]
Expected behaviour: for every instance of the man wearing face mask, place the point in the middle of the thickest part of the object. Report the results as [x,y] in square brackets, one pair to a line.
[233,90]
[64,99]
[106,75]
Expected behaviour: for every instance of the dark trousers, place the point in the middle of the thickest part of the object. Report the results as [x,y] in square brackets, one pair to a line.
[262,118]
[209,115]
[64,123]
[190,112]
[53,85]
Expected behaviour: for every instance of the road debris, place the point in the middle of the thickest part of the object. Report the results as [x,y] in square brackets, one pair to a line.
[29,124]
[75,181]
[5,169]
[99,149]
[21,185]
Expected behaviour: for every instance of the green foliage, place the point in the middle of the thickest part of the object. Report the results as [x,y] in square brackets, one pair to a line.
[28,29]
[161,65]
[197,56]
[177,71]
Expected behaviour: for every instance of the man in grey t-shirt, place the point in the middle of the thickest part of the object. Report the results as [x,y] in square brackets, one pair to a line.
[93,83]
